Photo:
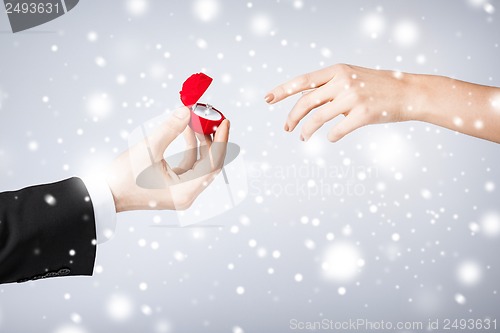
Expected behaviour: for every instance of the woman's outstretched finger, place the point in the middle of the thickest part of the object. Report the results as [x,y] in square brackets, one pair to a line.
[323,115]
[300,83]
[354,120]
[309,101]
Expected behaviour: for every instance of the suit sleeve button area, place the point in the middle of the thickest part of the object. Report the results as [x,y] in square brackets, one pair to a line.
[61,272]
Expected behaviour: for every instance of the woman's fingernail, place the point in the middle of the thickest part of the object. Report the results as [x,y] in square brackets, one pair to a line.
[269,98]
[287,128]
[302,138]
[181,113]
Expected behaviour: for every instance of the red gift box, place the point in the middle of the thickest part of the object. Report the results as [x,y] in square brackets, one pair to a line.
[204,118]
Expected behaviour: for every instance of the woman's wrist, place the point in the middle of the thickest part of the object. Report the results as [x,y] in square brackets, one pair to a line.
[419,97]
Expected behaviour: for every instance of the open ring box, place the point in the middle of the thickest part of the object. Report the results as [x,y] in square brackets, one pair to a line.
[204,117]
[227,190]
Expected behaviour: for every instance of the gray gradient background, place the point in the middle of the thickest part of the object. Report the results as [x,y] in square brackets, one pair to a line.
[199,293]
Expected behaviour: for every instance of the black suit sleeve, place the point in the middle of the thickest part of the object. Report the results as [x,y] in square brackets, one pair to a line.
[47,231]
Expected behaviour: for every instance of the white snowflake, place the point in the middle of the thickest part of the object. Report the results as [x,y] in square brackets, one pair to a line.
[406,33]
[137,7]
[469,273]
[206,10]
[146,310]
[76,318]
[50,200]
[201,43]
[341,262]
[119,307]
[373,25]
[240,290]
[261,24]
[490,224]
[100,61]
[92,36]
[460,299]
[33,145]
[99,105]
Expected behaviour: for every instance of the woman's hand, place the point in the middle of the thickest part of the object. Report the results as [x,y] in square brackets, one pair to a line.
[140,178]
[367,96]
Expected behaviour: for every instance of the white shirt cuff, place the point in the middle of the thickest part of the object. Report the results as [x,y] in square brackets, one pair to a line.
[104,207]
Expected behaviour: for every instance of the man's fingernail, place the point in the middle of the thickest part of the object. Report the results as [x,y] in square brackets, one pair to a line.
[302,138]
[181,113]
[269,98]
[287,128]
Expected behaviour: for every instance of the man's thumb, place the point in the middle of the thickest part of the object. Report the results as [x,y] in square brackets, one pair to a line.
[168,131]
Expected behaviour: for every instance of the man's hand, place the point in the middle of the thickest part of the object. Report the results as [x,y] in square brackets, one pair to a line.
[175,188]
